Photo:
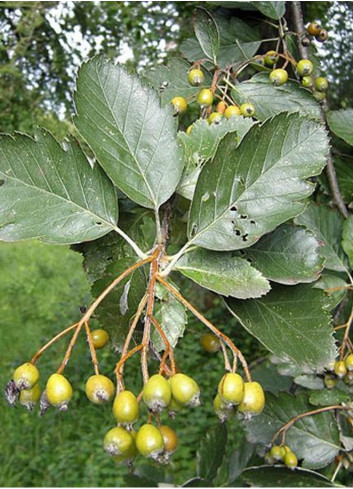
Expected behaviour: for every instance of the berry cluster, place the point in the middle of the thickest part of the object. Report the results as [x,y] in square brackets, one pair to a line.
[233,393]
[205,98]
[281,453]
[340,370]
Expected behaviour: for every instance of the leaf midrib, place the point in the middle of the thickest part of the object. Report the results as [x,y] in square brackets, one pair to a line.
[123,137]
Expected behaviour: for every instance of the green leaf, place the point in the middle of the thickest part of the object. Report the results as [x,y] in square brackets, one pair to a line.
[326,225]
[172,80]
[132,480]
[238,460]
[223,273]
[273,10]
[244,193]
[347,238]
[171,315]
[310,381]
[50,192]
[329,281]
[315,439]
[201,145]
[196,482]
[288,255]
[279,476]
[133,138]
[328,397]
[340,122]
[269,100]
[206,32]
[238,42]
[291,322]
[344,172]
[271,381]
[211,452]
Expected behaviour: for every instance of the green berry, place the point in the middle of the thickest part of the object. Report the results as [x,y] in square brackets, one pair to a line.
[195,77]
[157,393]
[126,408]
[119,442]
[231,111]
[30,397]
[319,96]
[149,441]
[304,67]
[58,391]
[278,77]
[231,388]
[290,460]
[26,376]
[247,109]
[180,105]
[340,369]
[210,342]
[330,381]
[99,389]
[214,118]
[185,390]
[100,338]
[308,81]
[253,401]
[222,409]
[271,58]
[276,452]
[205,97]
[321,84]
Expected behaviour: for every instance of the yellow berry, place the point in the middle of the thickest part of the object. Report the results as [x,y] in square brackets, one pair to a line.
[195,77]
[180,105]
[304,67]
[340,369]
[232,111]
[126,408]
[222,409]
[58,391]
[205,97]
[185,390]
[157,393]
[314,28]
[149,441]
[99,389]
[253,401]
[321,84]
[210,342]
[170,438]
[231,388]
[100,338]
[349,362]
[247,109]
[30,397]
[26,376]
[290,460]
[271,58]
[278,77]
[118,442]
[214,118]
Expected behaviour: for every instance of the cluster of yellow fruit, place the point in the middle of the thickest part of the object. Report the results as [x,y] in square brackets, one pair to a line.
[315,29]
[122,443]
[304,70]
[234,394]
[281,453]
[205,99]
[340,370]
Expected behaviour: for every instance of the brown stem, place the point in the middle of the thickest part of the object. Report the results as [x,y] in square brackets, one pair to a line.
[52,341]
[126,357]
[92,349]
[225,356]
[285,427]
[128,339]
[346,334]
[330,169]
[70,348]
[169,349]
[149,313]
[206,322]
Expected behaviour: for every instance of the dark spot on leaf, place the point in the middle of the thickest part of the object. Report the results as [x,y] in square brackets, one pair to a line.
[249,260]
[245,237]
[193,230]
[237,232]
[2,182]
[252,222]
[98,223]
[233,208]
[243,216]
[242,252]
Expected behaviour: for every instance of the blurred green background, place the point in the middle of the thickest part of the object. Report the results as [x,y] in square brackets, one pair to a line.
[42,287]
